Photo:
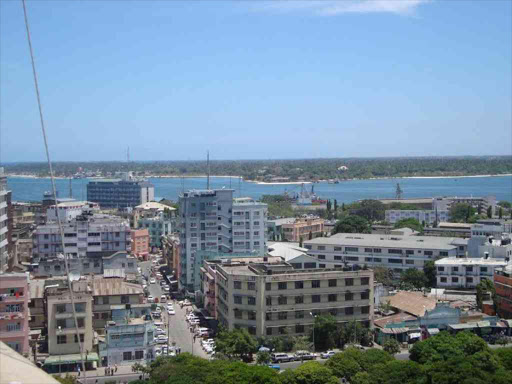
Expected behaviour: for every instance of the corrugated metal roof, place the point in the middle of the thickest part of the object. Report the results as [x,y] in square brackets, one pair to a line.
[114,272]
[114,286]
[394,331]
[411,302]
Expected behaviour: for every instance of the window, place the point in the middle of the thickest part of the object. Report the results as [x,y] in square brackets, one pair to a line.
[238,313]
[237,284]
[81,338]
[428,253]
[469,269]
[409,261]
[106,300]
[443,253]
[395,251]
[377,250]
[469,279]
[365,295]
[139,355]
[333,311]
[268,316]
[127,356]
[368,250]
[333,282]
[455,279]
[339,258]
[349,311]
[321,257]
[351,249]
[315,298]
[299,328]
[125,299]
[337,249]
[251,286]
[238,299]
[315,284]
[299,299]
[104,316]
[96,264]
[299,285]
[282,285]
[61,323]
[349,296]
[395,261]
[440,269]
[299,314]
[443,279]
[282,315]
[61,308]
[269,300]
[365,309]
[455,269]
[252,315]
[349,282]
[269,331]
[309,265]
[365,280]
[483,269]
[282,300]
[62,339]
[268,286]
[13,327]
[409,252]
[251,300]
[332,297]
[352,258]
[282,330]
[321,247]
[321,265]
[80,322]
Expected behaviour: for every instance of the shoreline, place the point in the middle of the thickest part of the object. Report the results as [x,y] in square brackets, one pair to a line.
[270,183]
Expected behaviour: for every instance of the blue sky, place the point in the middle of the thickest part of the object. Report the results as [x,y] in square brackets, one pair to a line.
[257,80]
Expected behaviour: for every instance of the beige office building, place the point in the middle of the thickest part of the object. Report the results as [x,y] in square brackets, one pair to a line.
[272,299]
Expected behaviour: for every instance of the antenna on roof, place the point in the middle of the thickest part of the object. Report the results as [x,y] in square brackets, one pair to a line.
[208,170]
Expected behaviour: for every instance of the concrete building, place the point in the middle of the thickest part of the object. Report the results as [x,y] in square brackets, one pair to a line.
[63,340]
[491,239]
[4,227]
[69,210]
[465,272]
[128,341]
[14,311]
[158,219]
[86,235]
[211,220]
[503,286]
[275,228]
[445,203]
[140,243]
[37,303]
[395,252]
[428,217]
[119,264]
[303,228]
[275,299]
[127,192]
[171,252]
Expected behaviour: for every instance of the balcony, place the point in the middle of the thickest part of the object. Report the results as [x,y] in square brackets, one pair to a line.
[12,299]
[11,334]
[11,315]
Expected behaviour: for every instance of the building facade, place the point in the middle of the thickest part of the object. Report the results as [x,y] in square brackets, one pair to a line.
[140,243]
[211,220]
[14,311]
[426,217]
[4,225]
[127,192]
[69,210]
[86,235]
[275,299]
[171,252]
[390,251]
[503,286]
[465,272]
[303,229]
[491,239]
[445,203]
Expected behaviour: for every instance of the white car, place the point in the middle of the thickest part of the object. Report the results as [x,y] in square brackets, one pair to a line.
[150,299]
[160,331]
[152,281]
[326,355]
[163,299]
[171,312]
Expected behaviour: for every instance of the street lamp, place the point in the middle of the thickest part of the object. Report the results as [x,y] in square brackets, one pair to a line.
[314,317]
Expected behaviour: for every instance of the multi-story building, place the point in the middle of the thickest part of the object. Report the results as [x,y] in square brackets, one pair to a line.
[483,203]
[4,225]
[140,243]
[303,229]
[128,341]
[64,337]
[86,235]
[465,272]
[491,239]
[14,311]
[126,192]
[28,213]
[69,210]
[275,228]
[211,220]
[426,217]
[275,299]
[158,219]
[391,251]
[503,286]
[171,252]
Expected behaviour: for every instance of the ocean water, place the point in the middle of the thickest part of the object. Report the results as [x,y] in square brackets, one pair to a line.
[31,189]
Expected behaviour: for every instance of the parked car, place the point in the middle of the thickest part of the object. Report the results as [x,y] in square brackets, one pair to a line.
[150,299]
[159,331]
[326,355]
[281,357]
[171,312]
[305,355]
[152,281]
[163,299]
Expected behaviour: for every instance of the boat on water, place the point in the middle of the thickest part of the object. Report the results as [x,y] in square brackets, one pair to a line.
[305,197]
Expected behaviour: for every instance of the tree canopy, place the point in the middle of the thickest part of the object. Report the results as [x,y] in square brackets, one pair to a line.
[413,279]
[352,224]
[409,223]
[462,213]
[236,343]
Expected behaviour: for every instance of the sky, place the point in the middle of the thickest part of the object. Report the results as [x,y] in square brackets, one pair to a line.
[256,80]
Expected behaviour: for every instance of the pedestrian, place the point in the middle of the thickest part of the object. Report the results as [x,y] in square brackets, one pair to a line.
[105,371]
[78,370]
[116,368]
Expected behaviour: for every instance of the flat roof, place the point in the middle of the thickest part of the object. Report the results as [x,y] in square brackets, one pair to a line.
[389,241]
[470,261]
[113,286]
[154,205]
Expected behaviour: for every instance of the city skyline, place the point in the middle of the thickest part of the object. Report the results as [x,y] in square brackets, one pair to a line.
[271,80]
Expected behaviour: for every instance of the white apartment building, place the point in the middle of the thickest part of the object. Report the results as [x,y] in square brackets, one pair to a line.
[491,239]
[211,220]
[272,299]
[445,203]
[86,235]
[4,255]
[465,272]
[427,217]
[391,251]
[69,210]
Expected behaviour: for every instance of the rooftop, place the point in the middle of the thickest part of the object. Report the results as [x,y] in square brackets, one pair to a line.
[113,286]
[396,318]
[389,241]
[470,261]
[153,205]
[414,303]
[279,222]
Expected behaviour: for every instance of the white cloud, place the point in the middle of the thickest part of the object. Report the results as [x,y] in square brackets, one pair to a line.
[331,8]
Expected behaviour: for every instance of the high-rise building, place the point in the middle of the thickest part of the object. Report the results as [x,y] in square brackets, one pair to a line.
[127,192]
[4,225]
[211,220]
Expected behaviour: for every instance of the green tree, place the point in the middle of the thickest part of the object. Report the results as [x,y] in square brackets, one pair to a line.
[325,332]
[310,236]
[335,206]
[302,343]
[397,372]
[461,213]
[489,212]
[236,343]
[311,372]
[486,286]
[373,356]
[352,224]
[505,204]
[343,365]
[263,357]
[413,278]
[391,346]
[140,368]
[500,212]
[361,378]
[383,275]
[371,210]
[342,207]
[430,272]
[504,355]
[409,223]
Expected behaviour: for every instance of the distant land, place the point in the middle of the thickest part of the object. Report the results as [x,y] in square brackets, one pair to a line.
[281,171]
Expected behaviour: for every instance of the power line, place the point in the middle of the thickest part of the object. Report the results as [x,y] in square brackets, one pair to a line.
[54,190]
